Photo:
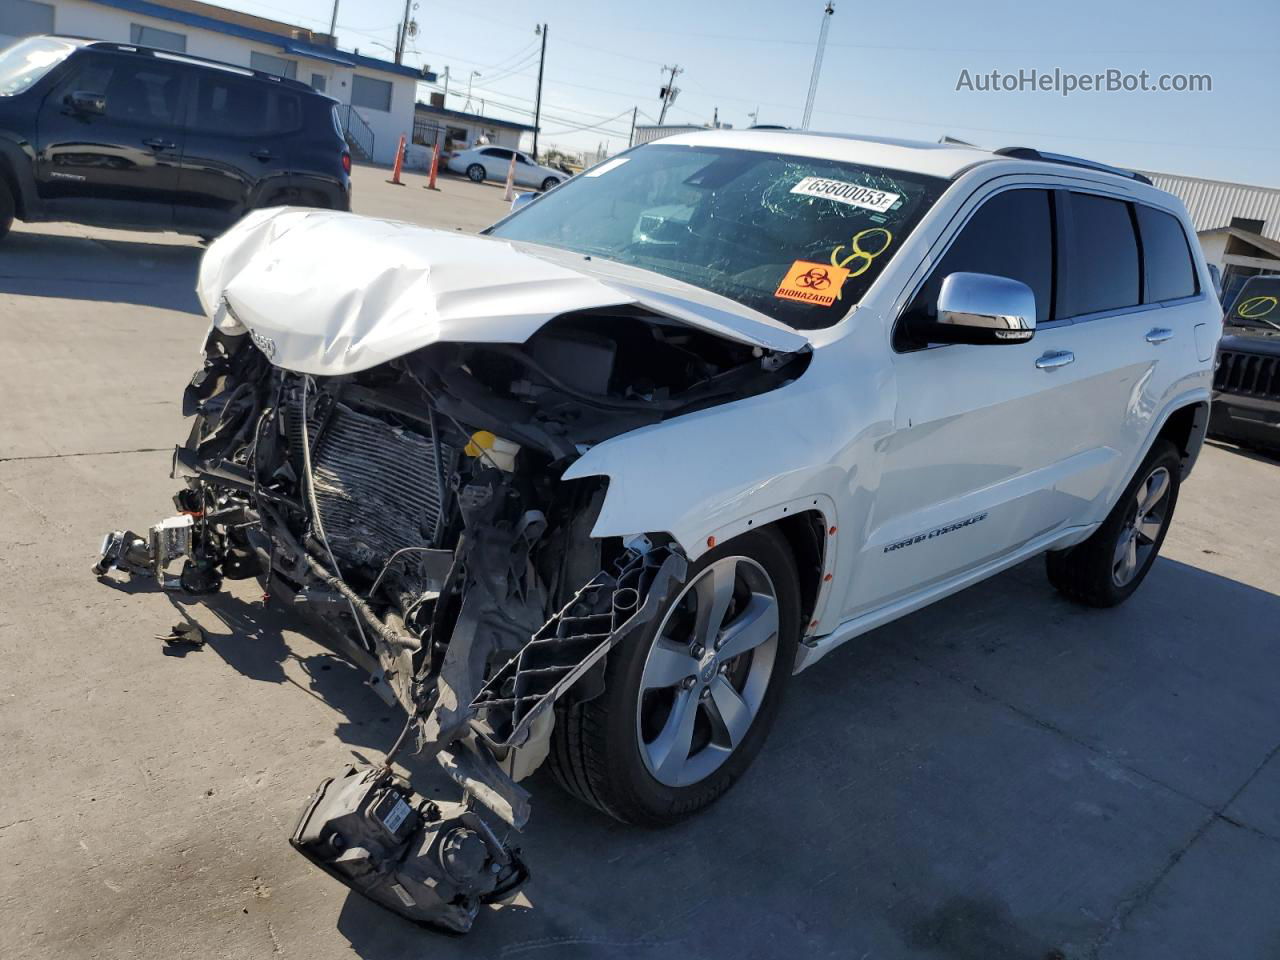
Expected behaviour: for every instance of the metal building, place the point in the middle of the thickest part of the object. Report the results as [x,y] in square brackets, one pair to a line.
[1238,225]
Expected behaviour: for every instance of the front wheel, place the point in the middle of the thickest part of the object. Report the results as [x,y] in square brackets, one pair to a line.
[476,173]
[688,703]
[1105,569]
[548,183]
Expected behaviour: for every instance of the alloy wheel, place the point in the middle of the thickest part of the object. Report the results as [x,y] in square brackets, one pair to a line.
[1138,537]
[707,672]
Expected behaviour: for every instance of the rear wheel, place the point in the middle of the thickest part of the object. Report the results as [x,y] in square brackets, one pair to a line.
[548,183]
[6,209]
[1105,569]
[688,703]
[476,173]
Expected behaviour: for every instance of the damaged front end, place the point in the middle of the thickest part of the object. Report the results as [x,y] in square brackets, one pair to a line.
[416,508]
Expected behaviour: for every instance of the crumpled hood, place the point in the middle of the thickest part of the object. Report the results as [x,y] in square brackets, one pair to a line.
[327,293]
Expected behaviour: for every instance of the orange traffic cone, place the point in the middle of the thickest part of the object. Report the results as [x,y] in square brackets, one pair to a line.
[435,166]
[395,171]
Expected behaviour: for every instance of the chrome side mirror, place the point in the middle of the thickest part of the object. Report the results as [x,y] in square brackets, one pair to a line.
[984,309]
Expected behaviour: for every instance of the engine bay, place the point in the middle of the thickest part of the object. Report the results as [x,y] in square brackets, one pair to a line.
[416,510]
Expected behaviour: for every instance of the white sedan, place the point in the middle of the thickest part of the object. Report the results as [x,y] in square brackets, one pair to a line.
[492,163]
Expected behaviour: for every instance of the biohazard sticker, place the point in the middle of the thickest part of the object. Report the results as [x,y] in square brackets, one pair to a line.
[816,283]
[853,194]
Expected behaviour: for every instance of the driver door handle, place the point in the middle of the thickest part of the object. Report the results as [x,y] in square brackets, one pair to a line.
[159,143]
[1159,335]
[1055,359]
[263,155]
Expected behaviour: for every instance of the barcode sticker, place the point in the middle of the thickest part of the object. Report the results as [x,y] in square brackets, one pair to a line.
[853,194]
[396,817]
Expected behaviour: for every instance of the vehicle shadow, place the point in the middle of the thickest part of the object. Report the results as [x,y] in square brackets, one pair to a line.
[1249,453]
[990,777]
[251,638]
[78,267]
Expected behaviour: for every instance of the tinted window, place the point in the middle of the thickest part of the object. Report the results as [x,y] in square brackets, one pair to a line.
[497,152]
[278,66]
[26,18]
[231,106]
[160,39]
[1011,235]
[1101,270]
[370,93]
[288,109]
[1165,254]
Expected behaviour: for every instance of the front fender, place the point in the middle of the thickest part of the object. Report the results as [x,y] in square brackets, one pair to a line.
[710,475]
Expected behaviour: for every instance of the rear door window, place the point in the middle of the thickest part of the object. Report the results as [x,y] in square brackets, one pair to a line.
[1101,272]
[1010,235]
[1171,273]
[233,106]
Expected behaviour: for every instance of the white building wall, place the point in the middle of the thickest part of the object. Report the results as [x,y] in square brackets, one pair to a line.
[1214,246]
[82,19]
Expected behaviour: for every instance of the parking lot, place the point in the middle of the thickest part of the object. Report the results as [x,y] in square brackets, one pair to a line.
[1002,775]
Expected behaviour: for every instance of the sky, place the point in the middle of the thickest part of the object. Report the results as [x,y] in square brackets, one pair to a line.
[888,71]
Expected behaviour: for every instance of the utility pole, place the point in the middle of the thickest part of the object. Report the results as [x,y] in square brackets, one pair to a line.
[333,24]
[402,35]
[668,93]
[537,103]
[817,65]
[446,88]
[631,140]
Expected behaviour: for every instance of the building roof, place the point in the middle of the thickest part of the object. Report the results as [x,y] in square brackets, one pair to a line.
[476,118]
[210,17]
[1270,247]
[1212,203]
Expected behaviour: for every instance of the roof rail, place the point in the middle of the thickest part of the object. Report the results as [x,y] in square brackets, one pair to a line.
[1030,153]
[191,58]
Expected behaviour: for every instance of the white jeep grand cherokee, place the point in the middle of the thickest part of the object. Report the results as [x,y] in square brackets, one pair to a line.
[590,487]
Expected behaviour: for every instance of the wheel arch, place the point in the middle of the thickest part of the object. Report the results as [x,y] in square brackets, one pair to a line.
[9,177]
[1185,427]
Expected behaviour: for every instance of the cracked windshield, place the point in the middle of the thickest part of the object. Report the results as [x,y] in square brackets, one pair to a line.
[797,238]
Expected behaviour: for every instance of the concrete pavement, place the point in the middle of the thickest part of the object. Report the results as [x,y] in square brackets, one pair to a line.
[1002,775]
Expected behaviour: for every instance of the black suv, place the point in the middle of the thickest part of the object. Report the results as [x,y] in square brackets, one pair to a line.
[121,136]
[1246,383]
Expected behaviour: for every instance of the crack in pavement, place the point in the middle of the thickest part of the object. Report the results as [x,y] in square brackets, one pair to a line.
[87,453]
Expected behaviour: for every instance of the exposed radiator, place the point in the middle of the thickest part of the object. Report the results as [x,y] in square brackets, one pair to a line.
[1247,373]
[376,486]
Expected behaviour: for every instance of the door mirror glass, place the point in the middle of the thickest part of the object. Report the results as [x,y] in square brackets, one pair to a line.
[90,104]
[984,309]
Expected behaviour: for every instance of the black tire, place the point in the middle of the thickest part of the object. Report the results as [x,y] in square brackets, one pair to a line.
[1087,573]
[6,209]
[476,173]
[595,752]
[550,182]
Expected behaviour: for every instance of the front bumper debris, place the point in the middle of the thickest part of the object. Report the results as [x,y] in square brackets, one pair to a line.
[433,863]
